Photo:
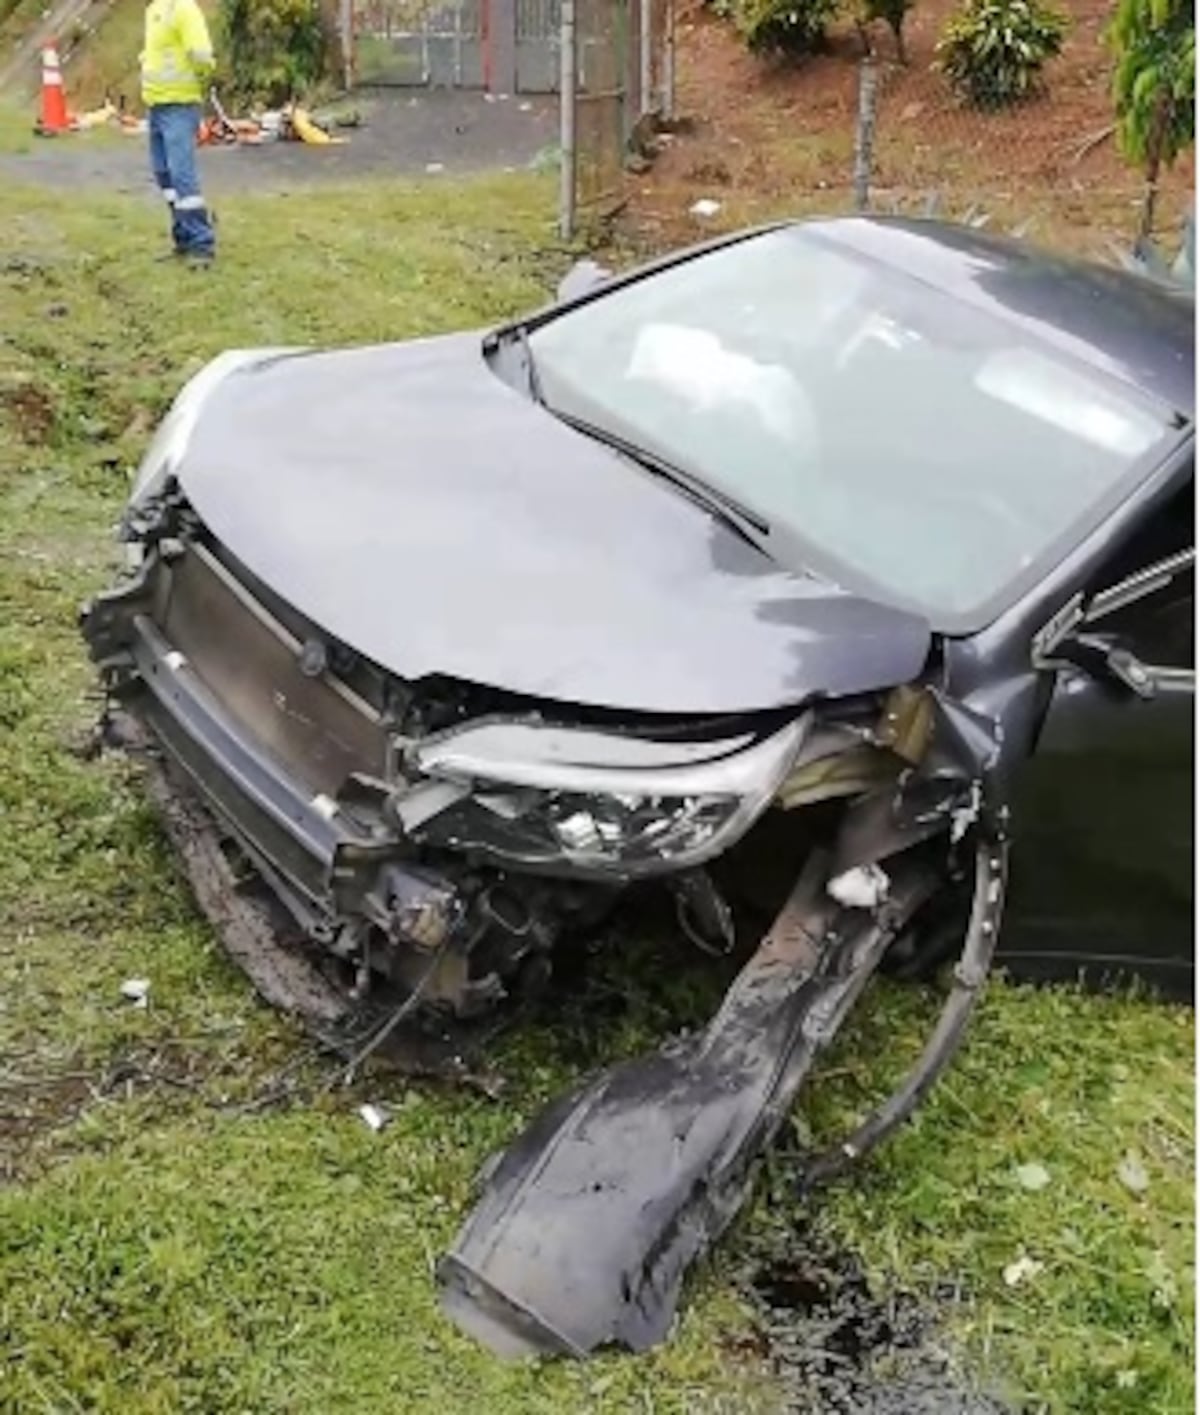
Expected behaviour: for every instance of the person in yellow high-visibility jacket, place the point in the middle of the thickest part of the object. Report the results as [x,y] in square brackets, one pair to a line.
[177,61]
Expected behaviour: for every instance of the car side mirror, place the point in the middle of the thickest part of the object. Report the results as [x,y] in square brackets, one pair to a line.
[583,277]
[1106,662]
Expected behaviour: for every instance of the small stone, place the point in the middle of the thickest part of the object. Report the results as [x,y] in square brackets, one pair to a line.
[1033,1177]
[1132,1173]
[1021,1270]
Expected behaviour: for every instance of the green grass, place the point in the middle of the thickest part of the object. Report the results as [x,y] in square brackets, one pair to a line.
[16,129]
[168,1241]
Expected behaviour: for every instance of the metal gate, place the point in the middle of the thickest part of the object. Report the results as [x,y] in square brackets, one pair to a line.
[431,43]
[539,23]
[611,62]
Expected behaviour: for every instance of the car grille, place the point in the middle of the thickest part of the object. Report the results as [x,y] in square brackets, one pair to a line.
[317,726]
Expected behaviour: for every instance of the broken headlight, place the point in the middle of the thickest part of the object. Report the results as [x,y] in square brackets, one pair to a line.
[598,802]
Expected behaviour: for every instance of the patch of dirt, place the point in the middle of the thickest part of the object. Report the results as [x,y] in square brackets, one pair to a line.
[838,1348]
[30,1108]
[35,1106]
[770,137]
[28,409]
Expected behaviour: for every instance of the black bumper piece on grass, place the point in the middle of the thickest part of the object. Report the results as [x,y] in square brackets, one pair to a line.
[590,1220]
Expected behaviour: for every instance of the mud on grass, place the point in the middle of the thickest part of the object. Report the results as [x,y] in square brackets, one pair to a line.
[191,1217]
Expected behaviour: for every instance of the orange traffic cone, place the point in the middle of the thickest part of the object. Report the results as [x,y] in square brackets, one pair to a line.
[54,100]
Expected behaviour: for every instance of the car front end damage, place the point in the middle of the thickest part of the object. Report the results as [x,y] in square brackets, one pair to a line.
[377,852]
[395,823]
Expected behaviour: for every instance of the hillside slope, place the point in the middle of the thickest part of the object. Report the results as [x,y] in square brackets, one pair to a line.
[763,137]
[99,43]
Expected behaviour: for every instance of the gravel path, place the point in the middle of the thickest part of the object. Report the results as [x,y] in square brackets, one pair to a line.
[404,134]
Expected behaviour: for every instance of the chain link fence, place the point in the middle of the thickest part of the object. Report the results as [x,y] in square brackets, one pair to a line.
[1034,165]
[617,76]
[856,126]
[610,62]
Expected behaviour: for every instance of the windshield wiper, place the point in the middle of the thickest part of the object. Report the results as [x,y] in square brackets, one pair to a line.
[746,522]
[533,381]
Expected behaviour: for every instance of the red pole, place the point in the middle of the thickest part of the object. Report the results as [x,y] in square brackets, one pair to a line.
[485,37]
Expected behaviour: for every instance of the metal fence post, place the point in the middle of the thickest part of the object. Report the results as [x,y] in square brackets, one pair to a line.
[346,25]
[668,93]
[646,55]
[864,134]
[567,98]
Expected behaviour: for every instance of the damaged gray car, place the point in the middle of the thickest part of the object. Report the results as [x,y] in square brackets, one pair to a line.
[834,579]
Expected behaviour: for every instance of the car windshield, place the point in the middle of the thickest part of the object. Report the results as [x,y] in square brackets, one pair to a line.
[909,440]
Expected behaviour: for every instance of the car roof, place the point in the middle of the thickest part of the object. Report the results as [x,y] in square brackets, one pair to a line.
[1124,324]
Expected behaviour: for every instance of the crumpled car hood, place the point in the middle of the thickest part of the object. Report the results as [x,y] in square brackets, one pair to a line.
[425,513]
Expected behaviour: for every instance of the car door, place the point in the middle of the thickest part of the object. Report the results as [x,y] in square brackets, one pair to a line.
[1103,884]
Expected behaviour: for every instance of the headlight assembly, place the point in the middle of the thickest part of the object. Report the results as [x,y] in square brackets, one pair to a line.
[604,803]
[647,832]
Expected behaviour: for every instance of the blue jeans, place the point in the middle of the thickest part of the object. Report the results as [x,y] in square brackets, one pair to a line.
[173,130]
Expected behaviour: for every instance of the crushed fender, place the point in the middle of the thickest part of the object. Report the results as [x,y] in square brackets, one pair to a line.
[588,1223]
[591,1219]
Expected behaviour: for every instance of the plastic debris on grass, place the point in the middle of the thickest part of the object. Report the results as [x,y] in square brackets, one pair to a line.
[373,1116]
[1021,1270]
[136,990]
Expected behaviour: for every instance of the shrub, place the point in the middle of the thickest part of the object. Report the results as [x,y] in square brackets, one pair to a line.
[993,51]
[791,28]
[1154,86]
[272,50]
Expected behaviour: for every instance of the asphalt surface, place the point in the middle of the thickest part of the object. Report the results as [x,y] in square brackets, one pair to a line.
[404,134]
